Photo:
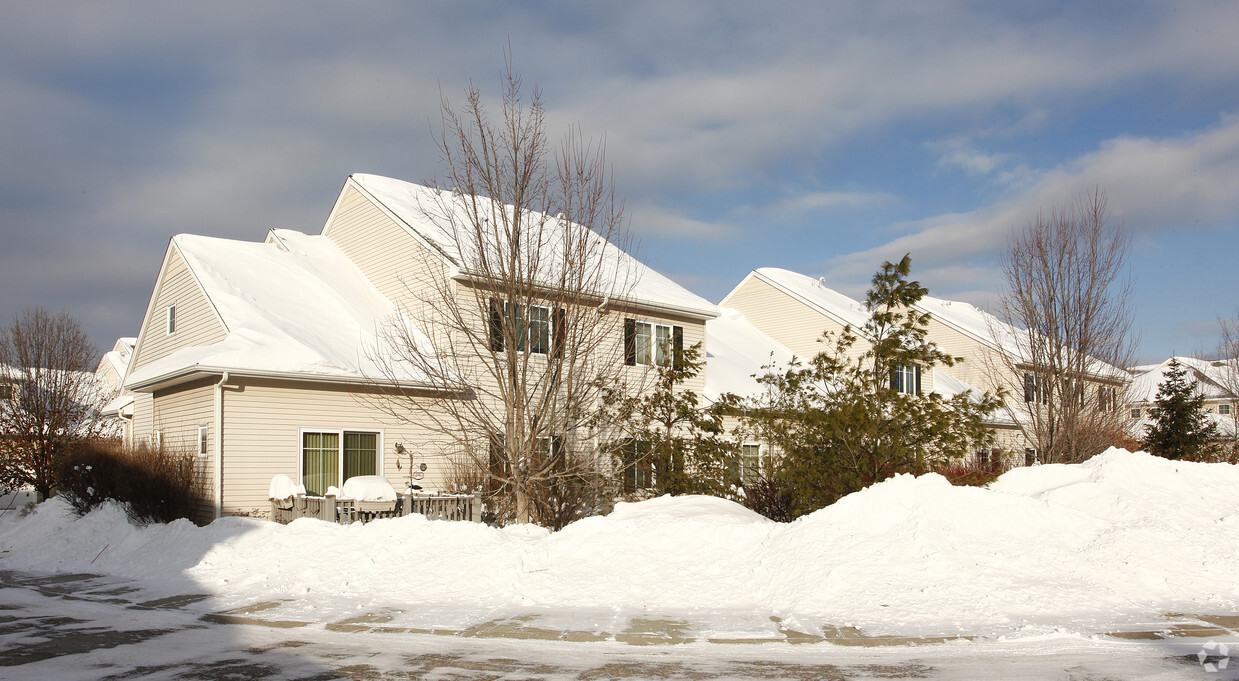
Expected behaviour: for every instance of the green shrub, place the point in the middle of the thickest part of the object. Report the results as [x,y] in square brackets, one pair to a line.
[156,485]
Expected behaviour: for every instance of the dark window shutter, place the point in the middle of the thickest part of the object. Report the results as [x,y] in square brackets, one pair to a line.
[894,384]
[677,342]
[558,335]
[496,325]
[918,380]
[1030,388]
[630,342]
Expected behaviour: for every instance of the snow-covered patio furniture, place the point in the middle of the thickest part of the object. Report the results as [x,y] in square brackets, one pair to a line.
[365,498]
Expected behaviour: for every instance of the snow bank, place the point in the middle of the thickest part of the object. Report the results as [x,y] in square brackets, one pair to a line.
[1087,546]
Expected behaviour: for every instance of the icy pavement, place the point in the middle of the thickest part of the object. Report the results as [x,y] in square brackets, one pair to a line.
[81,626]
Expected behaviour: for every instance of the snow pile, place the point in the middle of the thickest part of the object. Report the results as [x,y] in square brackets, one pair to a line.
[368,488]
[282,488]
[1089,546]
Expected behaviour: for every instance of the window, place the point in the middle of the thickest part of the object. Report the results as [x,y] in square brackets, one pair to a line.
[171,319]
[534,328]
[983,459]
[328,458]
[1223,409]
[1035,391]
[6,391]
[1135,413]
[634,456]
[906,380]
[652,344]
[1030,457]
[203,431]
[157,440]
[1155,412]
[750,464]
[1107,398]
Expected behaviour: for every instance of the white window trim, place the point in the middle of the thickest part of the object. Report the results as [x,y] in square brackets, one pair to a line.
[528,324]
[204,441]
[761,459]
[170,320]
[339,449]
[654,346]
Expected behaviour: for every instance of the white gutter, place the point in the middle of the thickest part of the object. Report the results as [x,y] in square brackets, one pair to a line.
[219,445]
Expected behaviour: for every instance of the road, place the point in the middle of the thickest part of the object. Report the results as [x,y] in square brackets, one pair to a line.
[70,627]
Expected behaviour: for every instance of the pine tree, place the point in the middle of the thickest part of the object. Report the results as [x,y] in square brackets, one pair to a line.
[843,422]
[1180,428]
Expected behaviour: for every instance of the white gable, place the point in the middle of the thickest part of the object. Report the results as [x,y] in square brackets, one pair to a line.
[293,305]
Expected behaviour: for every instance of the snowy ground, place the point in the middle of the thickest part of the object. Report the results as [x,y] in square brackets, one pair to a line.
[1125,563]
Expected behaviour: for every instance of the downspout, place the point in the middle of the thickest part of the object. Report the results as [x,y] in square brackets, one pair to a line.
[219,445]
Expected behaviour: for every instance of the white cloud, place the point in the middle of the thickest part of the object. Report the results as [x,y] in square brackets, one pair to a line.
[1153,186]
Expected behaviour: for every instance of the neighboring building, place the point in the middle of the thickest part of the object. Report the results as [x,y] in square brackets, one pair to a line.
[796,310]
[115,362]
[1214,380]
[257,357]
[111,374]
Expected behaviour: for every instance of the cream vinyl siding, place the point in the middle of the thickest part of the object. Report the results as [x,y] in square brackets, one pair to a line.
[780,316]
[399,266]
[196,321]
[178,412]
[694,333]
[980,360]
[143,417]
[263,422]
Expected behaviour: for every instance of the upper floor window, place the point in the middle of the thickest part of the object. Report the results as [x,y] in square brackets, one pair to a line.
[1035,389]
[1223,409]
[6,391]
[1107,398]
[652,344]
[171,319]
[906,380]
[532,328]
[1135,413]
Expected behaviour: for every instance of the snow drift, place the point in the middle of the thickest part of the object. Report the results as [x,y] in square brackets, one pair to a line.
[1087,546]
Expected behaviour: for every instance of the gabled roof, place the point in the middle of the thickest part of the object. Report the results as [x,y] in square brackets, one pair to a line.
[989,330]
[1210,378]
[409,204]
[811,292]
[735,353]
[293,307]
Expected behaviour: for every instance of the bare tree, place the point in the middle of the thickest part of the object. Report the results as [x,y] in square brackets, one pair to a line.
[520,334]
[51,398]
[1067,296]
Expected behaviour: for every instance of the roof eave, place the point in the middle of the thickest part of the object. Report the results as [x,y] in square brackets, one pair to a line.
[196,371]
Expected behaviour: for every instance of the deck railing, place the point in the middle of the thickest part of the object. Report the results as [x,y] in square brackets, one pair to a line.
[333,509]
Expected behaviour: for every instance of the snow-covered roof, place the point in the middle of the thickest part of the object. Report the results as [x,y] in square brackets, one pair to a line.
[815,294]
[293,306]
[634,281]
[1210,378]
[986,328]
[735,352]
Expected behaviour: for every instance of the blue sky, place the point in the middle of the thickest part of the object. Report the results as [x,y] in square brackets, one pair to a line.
[817,136]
